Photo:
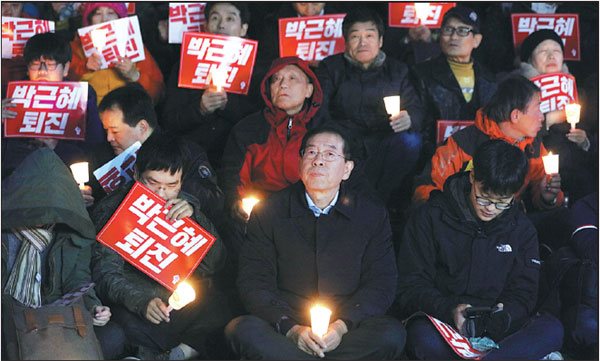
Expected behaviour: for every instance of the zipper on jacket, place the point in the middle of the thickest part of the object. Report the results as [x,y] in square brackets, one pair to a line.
[289,129]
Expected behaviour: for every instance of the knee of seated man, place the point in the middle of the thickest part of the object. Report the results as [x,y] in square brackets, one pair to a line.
[241,327]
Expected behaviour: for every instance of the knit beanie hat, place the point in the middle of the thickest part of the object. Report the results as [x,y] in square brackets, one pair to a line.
[534,39]
[119,8]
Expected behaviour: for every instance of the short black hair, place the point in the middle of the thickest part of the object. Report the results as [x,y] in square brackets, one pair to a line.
[362,15]
[163,152]
[241,6]
[500,167]
[134,102]
[48,45]
[513,93]
[348,147]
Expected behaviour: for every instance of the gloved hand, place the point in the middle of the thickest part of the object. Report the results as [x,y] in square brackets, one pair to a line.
[497,324]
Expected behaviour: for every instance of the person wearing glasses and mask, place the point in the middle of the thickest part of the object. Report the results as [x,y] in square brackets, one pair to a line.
[453,86]
[470,246]
[318,241]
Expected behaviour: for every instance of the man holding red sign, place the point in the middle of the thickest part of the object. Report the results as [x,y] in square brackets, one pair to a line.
[138,302]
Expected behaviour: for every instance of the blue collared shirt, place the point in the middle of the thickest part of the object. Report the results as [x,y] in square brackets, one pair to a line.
[316,210]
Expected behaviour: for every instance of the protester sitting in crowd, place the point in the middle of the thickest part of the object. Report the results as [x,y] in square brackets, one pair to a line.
[207,116]
[354,84]
[542,53]
[47,238]
[262,151]
[128,116]
[318,242]
[48,57]
[145,72]
[454,85]
[513,115]
[471,246]
[138,302]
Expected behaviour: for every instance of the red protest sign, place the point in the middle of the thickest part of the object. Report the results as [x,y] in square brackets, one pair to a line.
[47,109]
[16,32]
[138,232]
[311,37]
[445,128]
[556,90]
[565,25]
[184,17]
[118,170]
[222,60]
[457,342]
[408,15]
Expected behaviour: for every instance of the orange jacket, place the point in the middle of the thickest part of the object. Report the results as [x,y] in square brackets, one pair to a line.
[105,80]
[457,153]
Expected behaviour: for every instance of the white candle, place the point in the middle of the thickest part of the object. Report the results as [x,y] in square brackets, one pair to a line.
[184,294]
[80,173]
[572,112]
[248,204]
[218,78]
[392,104]
[422,10]
[319,318]
[99,38]
[550,163]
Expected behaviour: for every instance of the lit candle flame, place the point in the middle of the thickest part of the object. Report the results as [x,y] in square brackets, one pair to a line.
[422,10]
[218,77]
[392,104]
[99,38]
[248,204]
[184,294]
[572,111]
[80,173]
[319,319]
[550,163]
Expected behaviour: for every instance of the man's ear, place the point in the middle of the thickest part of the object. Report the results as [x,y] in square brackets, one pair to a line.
[244,30]
[515,115]
[472,176]
[144,127]
[348,166]
[66,69]
[477,38]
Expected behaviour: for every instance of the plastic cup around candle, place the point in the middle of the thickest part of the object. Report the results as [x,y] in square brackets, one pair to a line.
[392,104]
[80,173]
[550,163]
[572,112]
[184,294]
[319,318]
[248,204]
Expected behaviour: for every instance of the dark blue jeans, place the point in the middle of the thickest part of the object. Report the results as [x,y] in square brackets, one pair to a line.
[539,336]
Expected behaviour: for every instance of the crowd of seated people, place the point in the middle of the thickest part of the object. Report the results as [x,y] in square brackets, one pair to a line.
[367,212]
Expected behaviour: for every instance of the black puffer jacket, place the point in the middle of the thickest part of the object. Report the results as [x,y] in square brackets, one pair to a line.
[448,257]
[443,98]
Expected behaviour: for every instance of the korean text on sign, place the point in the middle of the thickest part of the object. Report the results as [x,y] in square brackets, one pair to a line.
[47,110]
[445,128]
[121,37]
[166,251]
[118,170]
[184,17]
[16,32]
[208,57]
[459,344]
[408,15]
[311,37]
[565,25]
[556,91]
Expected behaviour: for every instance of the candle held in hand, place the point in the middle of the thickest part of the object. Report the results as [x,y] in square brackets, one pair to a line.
[550,163]
[319,317]
[392,104]
[184,294]
[80,173]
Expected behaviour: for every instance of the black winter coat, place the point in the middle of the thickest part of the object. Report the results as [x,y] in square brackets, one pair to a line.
[448,257]
[443,98]
[290,258]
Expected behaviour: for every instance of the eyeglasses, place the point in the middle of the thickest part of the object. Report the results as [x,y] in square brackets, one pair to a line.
[313,153]
[501,206]
[36,65]
[460,31]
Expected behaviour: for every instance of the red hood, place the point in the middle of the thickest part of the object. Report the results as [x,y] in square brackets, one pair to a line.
[492,129]
[277,116]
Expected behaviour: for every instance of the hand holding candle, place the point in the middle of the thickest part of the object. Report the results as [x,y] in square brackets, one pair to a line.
[184,294]
[248,204]
[422,10]
[80,173]
[572,111]
[550,163]
[319,317]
